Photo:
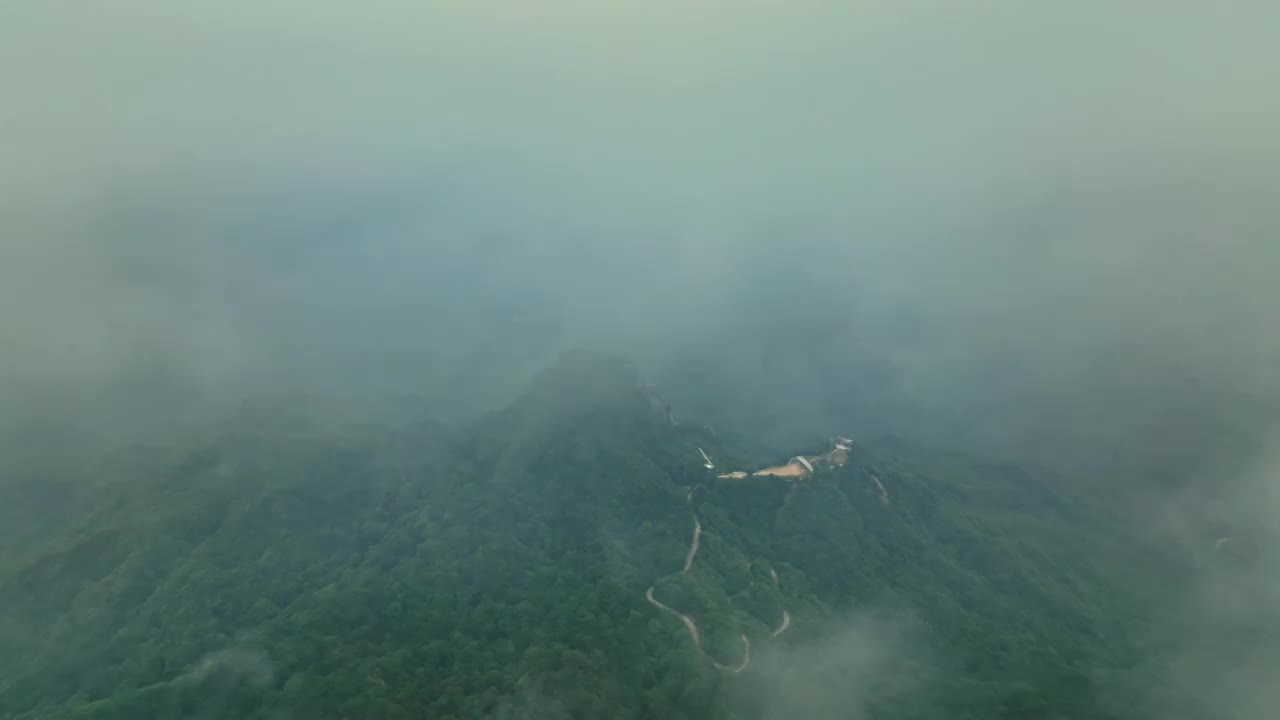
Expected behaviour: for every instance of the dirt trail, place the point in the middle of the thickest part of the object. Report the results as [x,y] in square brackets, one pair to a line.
[688,621]
[786,623]
[786,616]
[746,658]
[884,494]
[697,641]
[689,624]
[693,547]
[688,562]
[697,532]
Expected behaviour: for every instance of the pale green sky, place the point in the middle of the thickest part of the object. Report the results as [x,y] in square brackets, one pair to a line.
[221,189]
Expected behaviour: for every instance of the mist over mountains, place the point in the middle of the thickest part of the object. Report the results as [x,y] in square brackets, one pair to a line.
[1027,214]
[1045,237]
[283,568]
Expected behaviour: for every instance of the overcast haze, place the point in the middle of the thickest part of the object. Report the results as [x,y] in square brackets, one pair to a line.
[954,209]
[1042,231]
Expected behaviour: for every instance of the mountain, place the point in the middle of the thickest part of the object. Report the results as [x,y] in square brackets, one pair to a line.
[570,556]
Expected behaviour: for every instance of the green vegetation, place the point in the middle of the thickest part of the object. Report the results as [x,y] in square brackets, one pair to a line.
[499,571]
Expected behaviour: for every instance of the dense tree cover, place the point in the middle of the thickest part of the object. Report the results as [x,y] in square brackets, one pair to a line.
[279,570]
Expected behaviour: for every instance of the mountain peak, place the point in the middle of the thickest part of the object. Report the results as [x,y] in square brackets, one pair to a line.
[582,384]
[590,404]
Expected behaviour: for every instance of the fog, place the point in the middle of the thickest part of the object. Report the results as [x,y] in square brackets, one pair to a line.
[981,207]
[1042,232]
[875,658]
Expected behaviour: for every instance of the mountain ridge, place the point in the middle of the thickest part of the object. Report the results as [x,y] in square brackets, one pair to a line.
[395,573]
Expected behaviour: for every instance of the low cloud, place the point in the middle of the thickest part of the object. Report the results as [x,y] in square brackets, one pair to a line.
[247,664]
[1219,637]
[853,667]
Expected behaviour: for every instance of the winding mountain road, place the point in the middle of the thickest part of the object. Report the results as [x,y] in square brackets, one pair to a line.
[786,616]
[786,623]
[693,547]
[798,467]
[688,563]
[884,494]
[746,658]
[688,621]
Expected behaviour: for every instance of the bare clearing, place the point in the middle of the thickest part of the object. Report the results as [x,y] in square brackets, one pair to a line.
[802,466]
[784,471]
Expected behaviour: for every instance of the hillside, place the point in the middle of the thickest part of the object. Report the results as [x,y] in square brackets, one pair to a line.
[540,564]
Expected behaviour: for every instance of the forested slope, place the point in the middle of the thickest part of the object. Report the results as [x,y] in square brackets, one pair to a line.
[499,570]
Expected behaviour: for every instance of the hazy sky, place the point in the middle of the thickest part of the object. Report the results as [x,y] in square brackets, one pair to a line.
[1001,200]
